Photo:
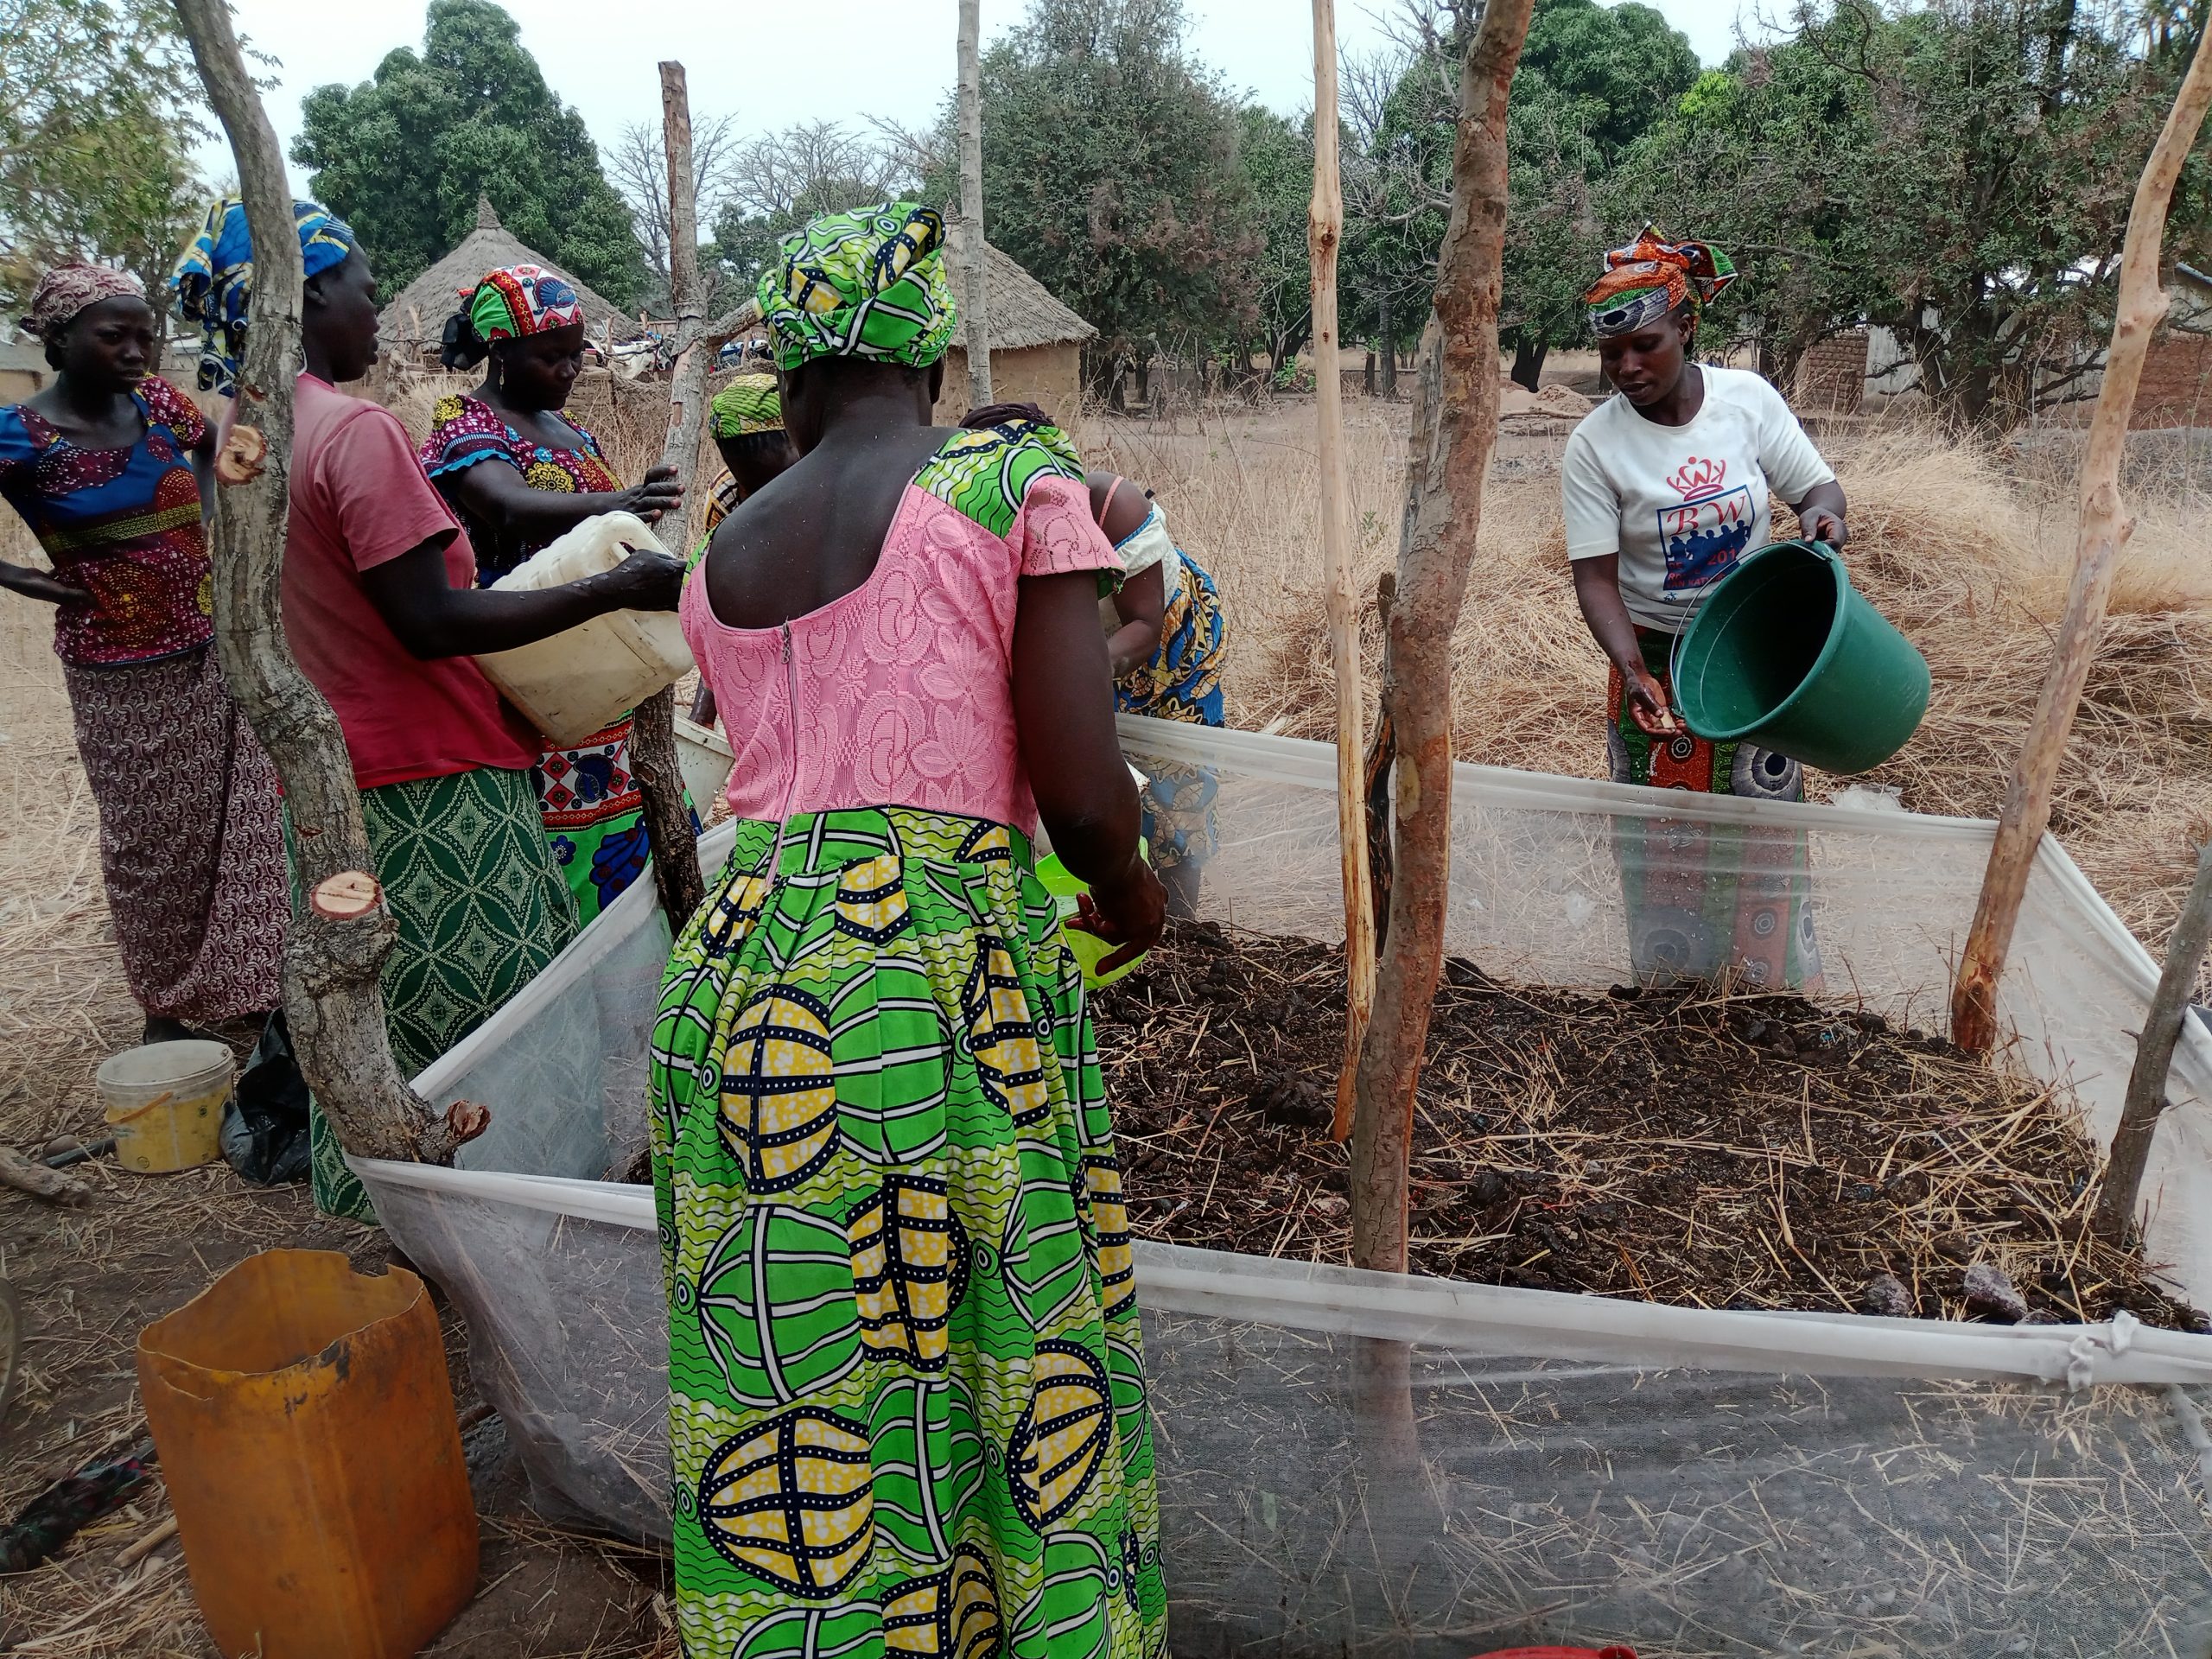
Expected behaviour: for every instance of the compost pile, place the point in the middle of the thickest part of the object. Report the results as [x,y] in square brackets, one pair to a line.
[1683,1145]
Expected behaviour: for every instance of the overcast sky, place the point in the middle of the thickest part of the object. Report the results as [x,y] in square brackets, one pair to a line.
[774,66]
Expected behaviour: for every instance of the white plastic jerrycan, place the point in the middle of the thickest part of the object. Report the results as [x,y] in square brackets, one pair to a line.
[576,683]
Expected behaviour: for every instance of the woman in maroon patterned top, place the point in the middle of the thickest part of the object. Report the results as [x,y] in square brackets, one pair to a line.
[520,474]
[111,467]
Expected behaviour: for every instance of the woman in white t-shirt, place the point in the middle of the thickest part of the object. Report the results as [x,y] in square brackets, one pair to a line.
[1665,485]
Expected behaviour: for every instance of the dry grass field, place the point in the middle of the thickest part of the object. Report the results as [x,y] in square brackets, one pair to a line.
[1966,550]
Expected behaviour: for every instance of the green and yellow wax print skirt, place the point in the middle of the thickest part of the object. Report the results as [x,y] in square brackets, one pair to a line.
[1709,901]
[907,1407]
[482,909]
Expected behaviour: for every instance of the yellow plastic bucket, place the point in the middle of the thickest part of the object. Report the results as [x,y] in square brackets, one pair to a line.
[165,1103]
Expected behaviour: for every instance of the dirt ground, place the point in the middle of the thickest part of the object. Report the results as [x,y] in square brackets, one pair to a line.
[90,1279]
[1676,1146]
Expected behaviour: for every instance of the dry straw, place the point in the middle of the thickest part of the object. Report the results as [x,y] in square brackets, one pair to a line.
[1966,547]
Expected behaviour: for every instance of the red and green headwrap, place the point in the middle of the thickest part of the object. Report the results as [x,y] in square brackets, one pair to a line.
[518,300]
[1650,277]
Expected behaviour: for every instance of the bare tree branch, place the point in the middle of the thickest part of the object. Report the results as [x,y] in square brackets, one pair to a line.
[637,166]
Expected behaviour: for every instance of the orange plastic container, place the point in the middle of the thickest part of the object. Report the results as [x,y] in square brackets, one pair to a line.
[306,1433]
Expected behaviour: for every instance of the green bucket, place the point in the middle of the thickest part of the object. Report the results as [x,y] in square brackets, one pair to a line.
[1785,653]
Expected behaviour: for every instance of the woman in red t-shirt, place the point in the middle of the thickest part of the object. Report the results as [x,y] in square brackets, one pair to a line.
[381,610]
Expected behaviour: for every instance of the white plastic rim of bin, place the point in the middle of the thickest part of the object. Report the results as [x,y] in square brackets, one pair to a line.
[1407,1307]
[584,678]
[704,755]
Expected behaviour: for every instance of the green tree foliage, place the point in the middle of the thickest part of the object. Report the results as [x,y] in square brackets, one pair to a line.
[1277,156]
[404,157]
[1112,171]
[1592,80]
[1960,172]
[100,109]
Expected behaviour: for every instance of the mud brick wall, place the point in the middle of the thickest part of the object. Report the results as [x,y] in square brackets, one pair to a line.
[1832,378]
[2176,388]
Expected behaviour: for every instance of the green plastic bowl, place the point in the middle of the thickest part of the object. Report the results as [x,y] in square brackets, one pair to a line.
[1785,653]
[1090,950]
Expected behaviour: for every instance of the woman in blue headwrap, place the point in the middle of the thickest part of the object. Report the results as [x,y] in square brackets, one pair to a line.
[381,610]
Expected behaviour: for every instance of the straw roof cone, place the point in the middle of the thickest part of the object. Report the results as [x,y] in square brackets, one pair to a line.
[1023,313]
[419,311]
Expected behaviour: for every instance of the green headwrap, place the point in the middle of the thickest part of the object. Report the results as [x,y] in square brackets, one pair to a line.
[867,284]
[746,405]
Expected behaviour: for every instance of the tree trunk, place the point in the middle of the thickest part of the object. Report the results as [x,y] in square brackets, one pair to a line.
[653,754]
[974,296]
[1455,426]
[2104,530]
[1529,350]
[336,946]
[1367,378]
[1388,352]
[1325,229]
[2154,1056]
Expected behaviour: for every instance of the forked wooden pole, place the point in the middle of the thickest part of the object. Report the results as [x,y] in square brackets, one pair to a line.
[2154,1058]
[335,946]
[1455,428]
[1324,226]
[652,731]
[2105,527]
[975,290]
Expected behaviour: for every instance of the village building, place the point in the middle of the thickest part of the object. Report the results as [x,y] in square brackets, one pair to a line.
[415,319]
[1036,343]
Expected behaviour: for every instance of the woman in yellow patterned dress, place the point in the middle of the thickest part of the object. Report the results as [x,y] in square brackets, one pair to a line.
[907,1405]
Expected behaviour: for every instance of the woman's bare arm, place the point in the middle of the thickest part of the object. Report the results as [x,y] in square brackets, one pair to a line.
[432,618]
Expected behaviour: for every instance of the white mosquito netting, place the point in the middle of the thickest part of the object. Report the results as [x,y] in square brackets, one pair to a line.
[1356,1463]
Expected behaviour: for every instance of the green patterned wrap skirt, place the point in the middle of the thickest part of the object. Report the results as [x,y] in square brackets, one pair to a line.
[907,1407]
[481,908]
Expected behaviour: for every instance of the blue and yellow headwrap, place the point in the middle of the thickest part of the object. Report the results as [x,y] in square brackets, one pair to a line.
[868,283]
[213,279]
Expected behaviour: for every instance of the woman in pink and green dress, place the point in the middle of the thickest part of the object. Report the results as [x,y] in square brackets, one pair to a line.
[907,1409]
[520,474]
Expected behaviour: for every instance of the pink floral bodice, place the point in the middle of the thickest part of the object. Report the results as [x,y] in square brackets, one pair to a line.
[899,693]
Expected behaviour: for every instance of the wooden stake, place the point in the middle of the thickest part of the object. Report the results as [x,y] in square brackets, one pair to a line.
[1324,226]
[2154,1056]
[653,753]
[2105,527]
[331,996]
[974,291]
[1455,427]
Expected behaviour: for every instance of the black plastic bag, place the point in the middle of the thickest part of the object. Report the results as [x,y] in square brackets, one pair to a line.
[265,1133]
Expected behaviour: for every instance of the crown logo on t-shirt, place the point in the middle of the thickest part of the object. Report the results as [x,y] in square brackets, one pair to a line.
[1699,478]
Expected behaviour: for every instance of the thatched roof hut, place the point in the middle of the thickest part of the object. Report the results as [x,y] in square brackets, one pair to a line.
[1036,342]
[418,313]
